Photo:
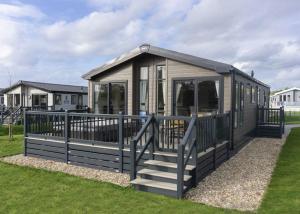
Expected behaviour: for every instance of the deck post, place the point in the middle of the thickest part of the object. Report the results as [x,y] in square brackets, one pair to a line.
[156,133]
[152,133]
[214,119]
[194,152]
[180,172]
[121,140]
[228,135]
[132,160]
[66,129]
[25,133]
[257,120]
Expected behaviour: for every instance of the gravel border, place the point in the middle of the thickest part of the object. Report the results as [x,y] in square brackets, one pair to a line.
[240,182]
[121,179]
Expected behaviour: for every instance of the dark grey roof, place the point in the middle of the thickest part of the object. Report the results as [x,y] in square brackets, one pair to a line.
[50,87]
[205,63]
[1,91]
[181,57]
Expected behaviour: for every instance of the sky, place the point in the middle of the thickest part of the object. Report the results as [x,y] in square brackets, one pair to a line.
[58,41]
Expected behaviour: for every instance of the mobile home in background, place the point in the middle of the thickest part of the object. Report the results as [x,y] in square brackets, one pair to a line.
[288,98]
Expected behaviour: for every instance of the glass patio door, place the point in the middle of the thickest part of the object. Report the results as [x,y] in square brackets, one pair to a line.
[184,97]
[208,97]
[110,98]
[117,98]
[39,101]
[200,96]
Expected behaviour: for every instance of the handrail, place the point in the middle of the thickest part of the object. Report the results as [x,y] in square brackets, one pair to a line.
[188,132]
[190,152]
[145,148]
[143,129]
[181,161]
[133,144]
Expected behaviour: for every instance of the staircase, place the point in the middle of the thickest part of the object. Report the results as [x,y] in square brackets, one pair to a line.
[273,131]
[11,115]
[270,122]
[160,175]
[173,171]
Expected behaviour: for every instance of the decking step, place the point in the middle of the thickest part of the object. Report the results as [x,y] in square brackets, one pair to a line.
[166,164]
[168,154]
[155,184]
[162,174]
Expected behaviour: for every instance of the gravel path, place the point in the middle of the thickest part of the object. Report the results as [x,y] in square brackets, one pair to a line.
[94,174]
[240,182]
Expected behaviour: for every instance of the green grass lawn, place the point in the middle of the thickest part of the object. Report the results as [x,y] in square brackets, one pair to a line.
[283,195]
[13,146]
[28,190]
[16,130]
[292,119]
[38,191]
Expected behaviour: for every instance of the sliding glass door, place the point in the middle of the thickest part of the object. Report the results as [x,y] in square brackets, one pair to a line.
[101,98]
[110,98]
[208,97]
[117,98]
[184,97]
[39,101]
[200,96]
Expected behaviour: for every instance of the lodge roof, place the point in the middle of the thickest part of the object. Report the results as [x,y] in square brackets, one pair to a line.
[49,87]
[286,90]
[219,67]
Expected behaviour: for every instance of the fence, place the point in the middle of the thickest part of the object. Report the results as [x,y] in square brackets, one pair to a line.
[270,122]
[123,143]
[198,136]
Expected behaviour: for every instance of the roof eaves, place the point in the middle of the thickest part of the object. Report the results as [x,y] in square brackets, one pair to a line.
[250,78]
[123,58]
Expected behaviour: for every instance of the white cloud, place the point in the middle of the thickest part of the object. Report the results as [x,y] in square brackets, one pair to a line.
[20,10]
[263,36]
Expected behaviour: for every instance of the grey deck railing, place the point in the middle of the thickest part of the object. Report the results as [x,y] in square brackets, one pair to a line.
[271,117]
[202,133]
[186,136]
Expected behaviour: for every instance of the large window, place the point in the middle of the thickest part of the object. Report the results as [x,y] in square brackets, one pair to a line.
[74,99]
[242,103]
[144,90]
[10,100]
[258,95]
[208,96]
[80,100]
[39,101]
[252,94]
[17,100]
[58,100]
[161,89]
[196,96]
[110,98]
[101,98]
[184,97]
[237,105]
[117,101]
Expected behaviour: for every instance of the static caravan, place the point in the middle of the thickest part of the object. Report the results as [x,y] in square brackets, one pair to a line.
[45,96]
[288,98]
[150,79]
[166,118]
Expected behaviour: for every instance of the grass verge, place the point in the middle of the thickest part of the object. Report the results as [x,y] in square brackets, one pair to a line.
[283,194]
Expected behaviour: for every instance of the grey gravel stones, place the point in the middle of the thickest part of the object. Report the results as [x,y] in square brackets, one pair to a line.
[240,182]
